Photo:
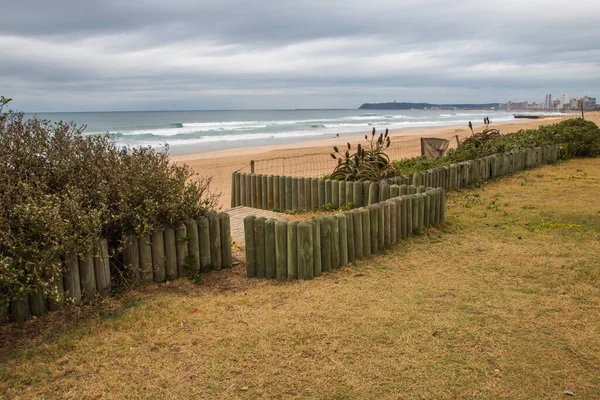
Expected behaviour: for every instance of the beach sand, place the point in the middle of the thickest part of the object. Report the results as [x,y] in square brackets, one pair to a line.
[311,158]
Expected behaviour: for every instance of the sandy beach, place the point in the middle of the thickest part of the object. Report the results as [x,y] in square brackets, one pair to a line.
[311,157]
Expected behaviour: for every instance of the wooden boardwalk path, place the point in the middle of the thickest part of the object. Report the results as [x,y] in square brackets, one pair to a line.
[237,215]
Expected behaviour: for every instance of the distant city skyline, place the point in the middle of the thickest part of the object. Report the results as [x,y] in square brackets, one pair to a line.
[553,103]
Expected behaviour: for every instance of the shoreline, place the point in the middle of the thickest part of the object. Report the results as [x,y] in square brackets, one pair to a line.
[220,164]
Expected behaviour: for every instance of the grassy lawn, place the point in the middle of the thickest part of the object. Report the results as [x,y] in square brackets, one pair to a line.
[504,302]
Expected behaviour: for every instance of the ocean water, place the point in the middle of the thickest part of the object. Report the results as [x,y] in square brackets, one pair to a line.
[197,131]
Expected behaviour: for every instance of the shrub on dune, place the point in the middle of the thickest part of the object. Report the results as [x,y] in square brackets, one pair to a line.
[61,190]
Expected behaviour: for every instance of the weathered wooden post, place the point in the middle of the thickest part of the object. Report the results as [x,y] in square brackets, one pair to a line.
[415,215]
[204,240]
[259,191]
[288,193]
[432,215]
[358,233]
[307,193]
[374,217]
[238,189]
[242,189]
[71,279]
[342,239]
[317,267]
[305,250]
[335,241]
[438,208]
[233,202]
[350,234]
[384,191]
[170,252]
[325,225]
[19,308]
[158,256]
[301,195]
[341,193]
[328,189]
[357,194]
[403,190]
[270,249]
[270,192]
[373,193]
[292,250]
[225,228]
[394,191]
[216,260]
[264,193]
[442,206]
[393,221]
[131,257]
[387,224]
[314,193]
[252,202]
[335,193]
[281,250]
[282,191]
[350,194]
[294,193]
[427,208]
[322,195]
[181,247]
[250,246]
[276,198]
[193,245]
[381,226]
[146,258]
[259,247]
[409,214]
[365,219]
[37,304]
[366,186]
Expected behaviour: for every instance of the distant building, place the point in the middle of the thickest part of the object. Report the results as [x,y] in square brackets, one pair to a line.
[589,103]
[565,100]
[548,102]
[574,103]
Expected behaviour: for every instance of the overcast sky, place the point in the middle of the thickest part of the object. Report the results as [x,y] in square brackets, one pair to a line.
[78,55]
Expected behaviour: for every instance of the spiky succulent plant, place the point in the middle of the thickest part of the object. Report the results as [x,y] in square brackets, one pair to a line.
[370,163]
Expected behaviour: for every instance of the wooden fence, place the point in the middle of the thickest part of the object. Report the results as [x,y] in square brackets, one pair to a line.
[198,246]
[303,250]
[395,209]
[270,192]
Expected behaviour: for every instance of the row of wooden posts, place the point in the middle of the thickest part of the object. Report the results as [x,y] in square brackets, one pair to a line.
[296,193]
[198,246]
[394,209]
[303,250]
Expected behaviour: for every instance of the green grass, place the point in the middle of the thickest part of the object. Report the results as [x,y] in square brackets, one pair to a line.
[486,308]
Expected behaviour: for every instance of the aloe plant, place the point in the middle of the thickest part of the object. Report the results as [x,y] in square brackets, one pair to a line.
[479,138]
[366,163]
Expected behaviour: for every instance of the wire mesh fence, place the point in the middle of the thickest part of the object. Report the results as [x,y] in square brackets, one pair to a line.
[317,165]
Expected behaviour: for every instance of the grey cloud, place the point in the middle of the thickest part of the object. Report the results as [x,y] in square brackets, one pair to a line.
[333,53]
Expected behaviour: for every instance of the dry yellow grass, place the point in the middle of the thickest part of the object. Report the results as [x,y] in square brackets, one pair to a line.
[504,302]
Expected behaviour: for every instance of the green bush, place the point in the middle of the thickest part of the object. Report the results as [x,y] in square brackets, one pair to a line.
[581,139]
[61,190]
